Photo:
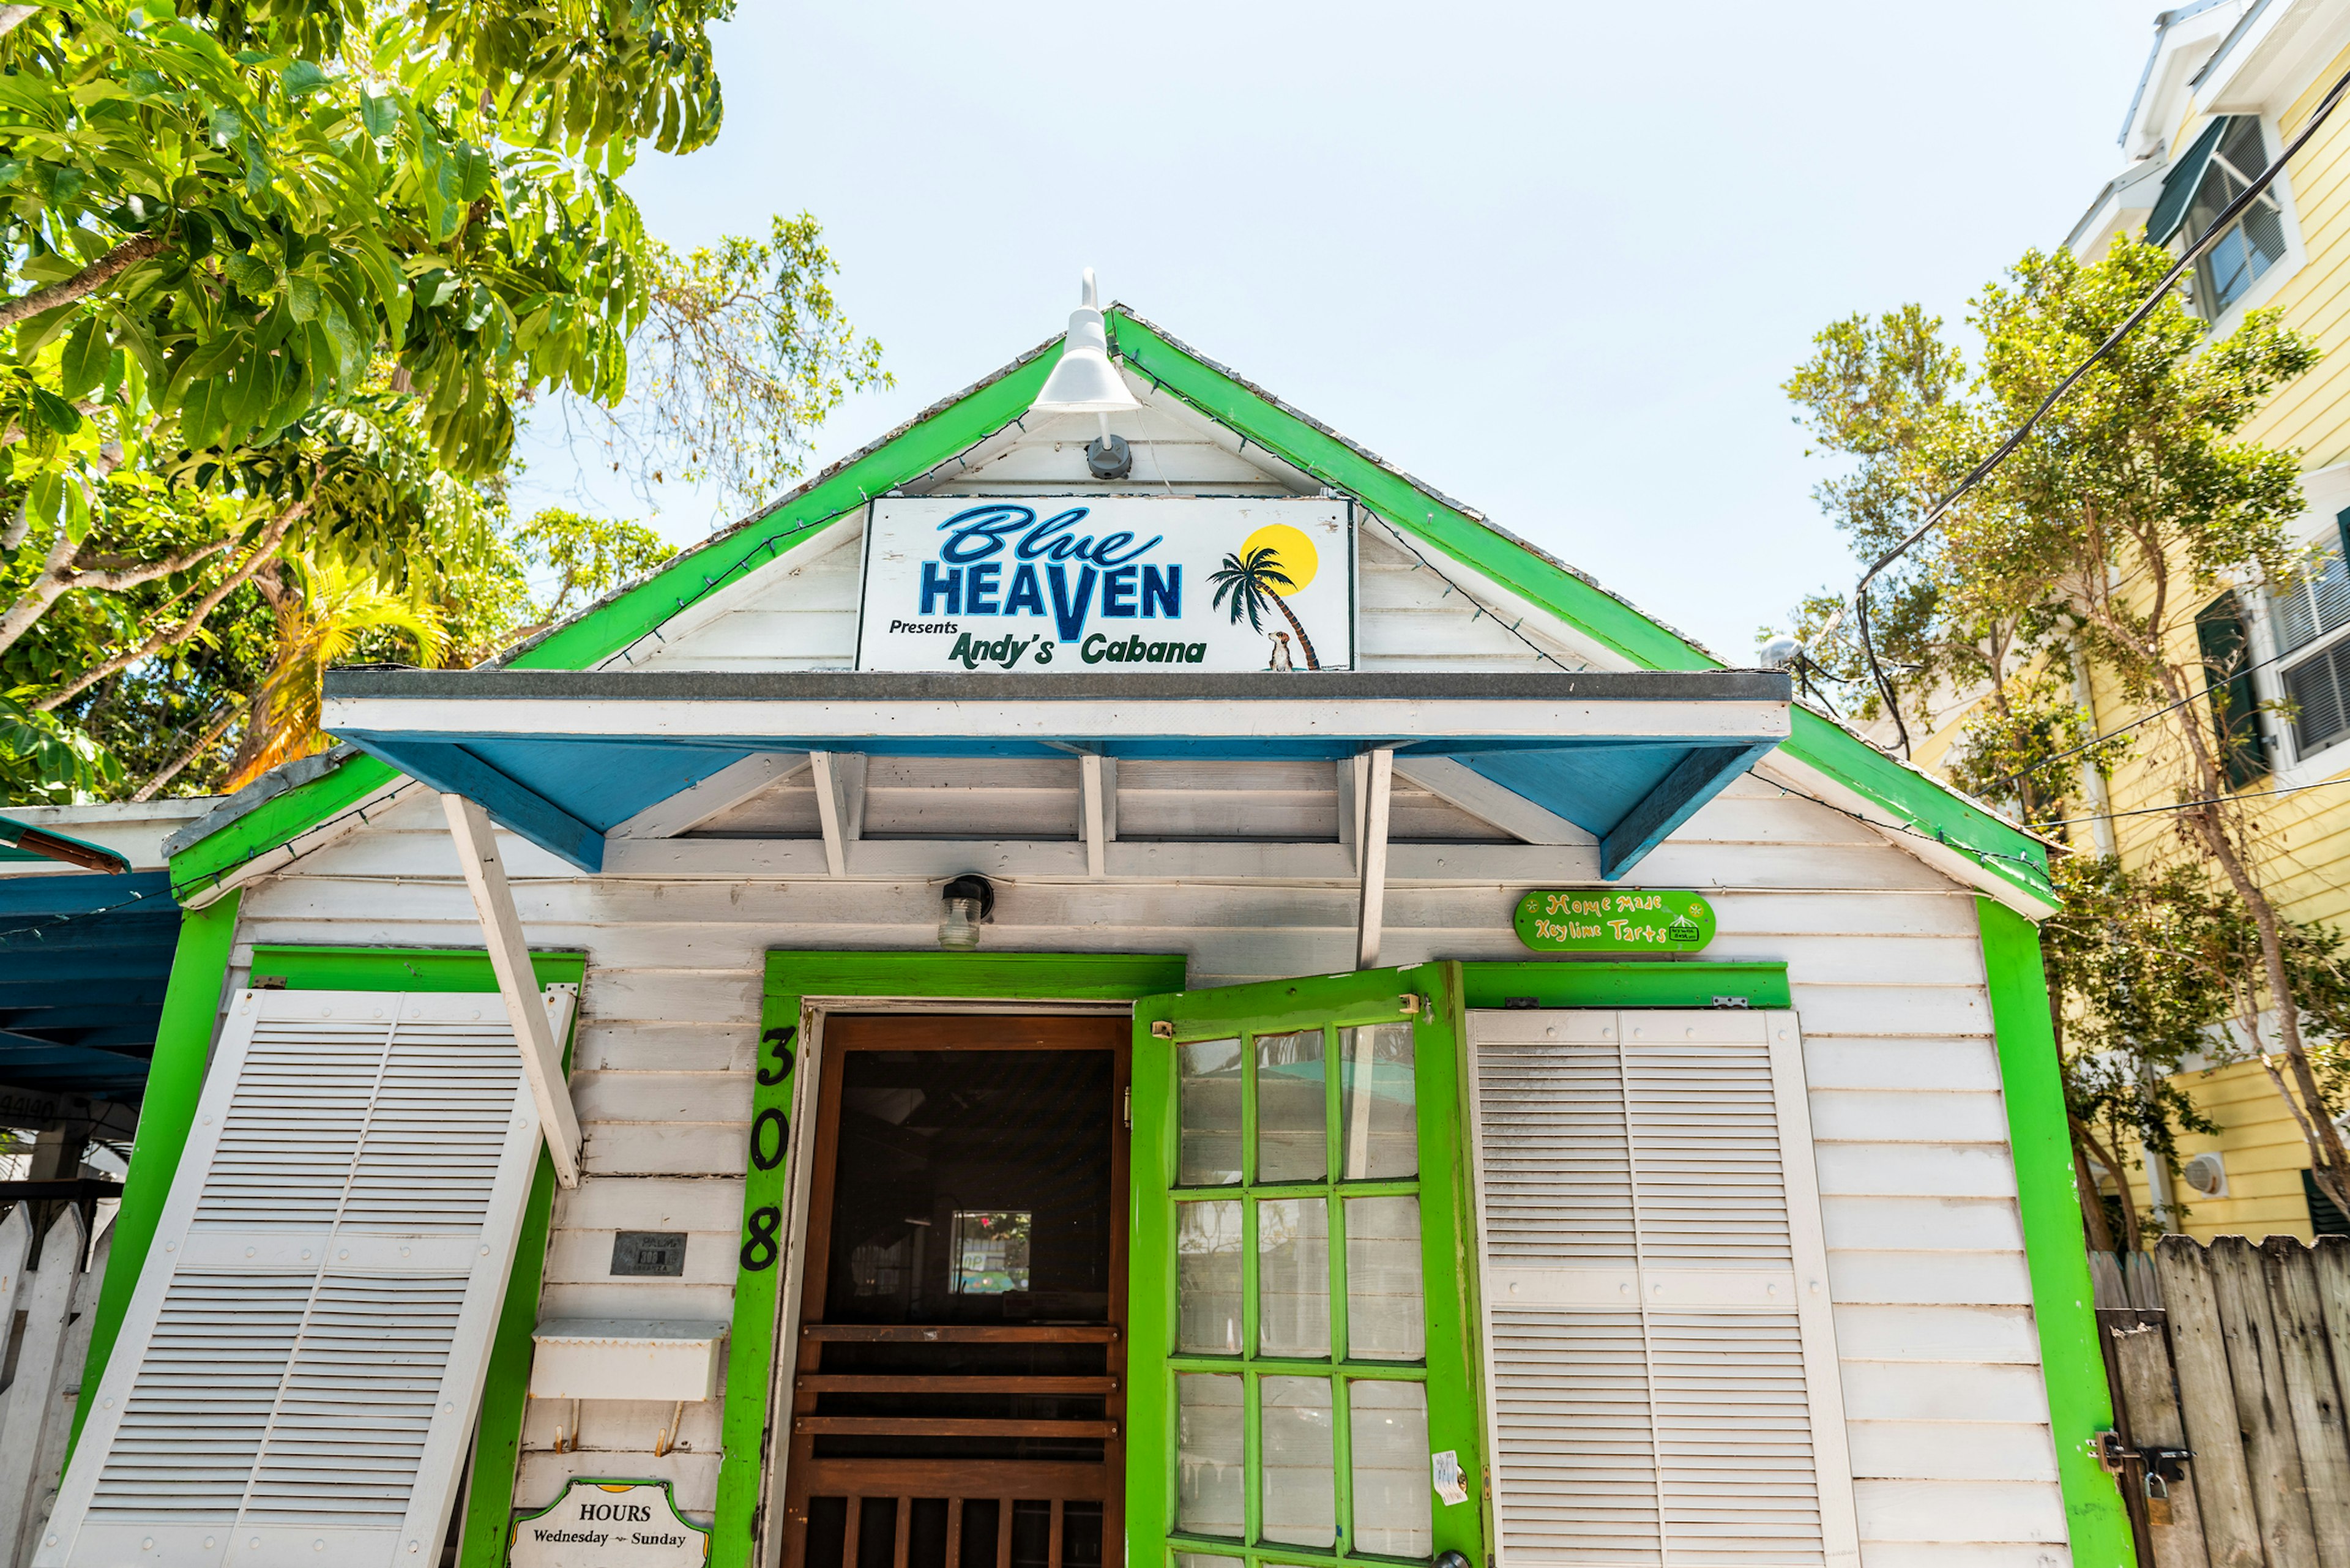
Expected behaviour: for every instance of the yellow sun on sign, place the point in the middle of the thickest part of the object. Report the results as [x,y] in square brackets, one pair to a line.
[1293,552]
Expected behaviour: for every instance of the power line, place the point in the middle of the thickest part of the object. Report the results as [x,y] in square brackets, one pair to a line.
[2148,718]
[2191,804]
[2015,438]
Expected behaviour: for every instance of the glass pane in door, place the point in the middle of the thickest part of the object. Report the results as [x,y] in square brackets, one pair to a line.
[1210,1418]
[1388,1433]
[1293,1273]
[1378,1105]
[1292,1109]
[1207,1276]
[1209,1091]
[1387,1310]
[1299,1501]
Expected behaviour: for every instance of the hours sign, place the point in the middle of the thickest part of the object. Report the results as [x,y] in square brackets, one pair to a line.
[609,1524]
[1614,920]
[1103,583]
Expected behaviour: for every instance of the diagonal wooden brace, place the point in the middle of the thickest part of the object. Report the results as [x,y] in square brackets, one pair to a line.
[542,1052]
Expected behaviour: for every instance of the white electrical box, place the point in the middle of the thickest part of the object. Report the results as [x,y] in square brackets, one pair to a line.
[625,1358]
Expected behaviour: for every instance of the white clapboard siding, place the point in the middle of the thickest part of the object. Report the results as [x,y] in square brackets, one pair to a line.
[1888,950]
[298,1373]
[1660,1343]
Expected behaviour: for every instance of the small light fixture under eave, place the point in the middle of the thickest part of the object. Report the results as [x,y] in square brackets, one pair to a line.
[969,903]
[1085,383]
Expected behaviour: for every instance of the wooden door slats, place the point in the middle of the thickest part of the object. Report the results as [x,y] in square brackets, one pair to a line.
[899,1498]
[948,1426]
[893,1383]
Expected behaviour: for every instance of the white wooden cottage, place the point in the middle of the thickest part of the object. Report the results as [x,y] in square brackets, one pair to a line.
[927,1035]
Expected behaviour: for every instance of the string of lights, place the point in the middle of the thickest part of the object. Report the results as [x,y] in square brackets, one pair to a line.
[1908,830]
[50,923]
[1452,587]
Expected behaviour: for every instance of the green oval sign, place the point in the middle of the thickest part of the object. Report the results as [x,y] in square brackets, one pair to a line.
[1614,920]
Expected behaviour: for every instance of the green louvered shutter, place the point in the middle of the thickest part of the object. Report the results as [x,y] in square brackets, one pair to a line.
[2235,705]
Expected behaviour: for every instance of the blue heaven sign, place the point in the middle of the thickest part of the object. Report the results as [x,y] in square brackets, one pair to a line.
[1107,583]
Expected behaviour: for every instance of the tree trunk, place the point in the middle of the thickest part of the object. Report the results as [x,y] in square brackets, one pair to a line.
[2329,1163]
[1304,643]
[2093,1209]
[2083,1135]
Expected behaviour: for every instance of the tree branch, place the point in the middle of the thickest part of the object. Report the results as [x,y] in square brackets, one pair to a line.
[264,549]
[85,281]
[115,581]
[42,592]
[213,733]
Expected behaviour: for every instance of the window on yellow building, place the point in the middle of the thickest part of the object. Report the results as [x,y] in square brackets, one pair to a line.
[2319,685]
[2216,169]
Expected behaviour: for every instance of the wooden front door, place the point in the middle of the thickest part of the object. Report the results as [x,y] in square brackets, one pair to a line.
[959,1391]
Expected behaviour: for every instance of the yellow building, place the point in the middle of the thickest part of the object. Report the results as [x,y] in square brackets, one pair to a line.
[2227,86]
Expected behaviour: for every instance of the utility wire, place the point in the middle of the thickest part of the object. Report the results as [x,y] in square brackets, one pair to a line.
[2191,804]
[2096,741]
[2015,438]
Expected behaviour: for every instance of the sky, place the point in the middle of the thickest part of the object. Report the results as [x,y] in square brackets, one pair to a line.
[1554,260]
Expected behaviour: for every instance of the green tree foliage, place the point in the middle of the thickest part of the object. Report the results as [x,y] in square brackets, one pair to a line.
[302,258]
[2129,507]
[223,210]
[280,274]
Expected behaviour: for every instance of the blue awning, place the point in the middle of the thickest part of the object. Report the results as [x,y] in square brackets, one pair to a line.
[563,757]
[83,963]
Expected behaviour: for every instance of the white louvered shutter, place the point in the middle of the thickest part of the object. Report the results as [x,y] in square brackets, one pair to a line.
[1658,1343]
[298,1375]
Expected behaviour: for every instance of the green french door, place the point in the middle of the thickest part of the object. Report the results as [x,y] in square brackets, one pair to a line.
[1301,1268]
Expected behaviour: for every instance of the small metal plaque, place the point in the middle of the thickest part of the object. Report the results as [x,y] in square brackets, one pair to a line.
[657,1253]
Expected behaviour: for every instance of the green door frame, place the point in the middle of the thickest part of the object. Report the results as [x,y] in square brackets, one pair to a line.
[1449,1368]
[794,979]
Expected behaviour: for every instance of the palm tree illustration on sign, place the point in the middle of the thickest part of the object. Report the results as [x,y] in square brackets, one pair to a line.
[1259,574]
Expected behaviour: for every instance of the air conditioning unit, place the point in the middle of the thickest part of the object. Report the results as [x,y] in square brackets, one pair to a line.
[2207,1174]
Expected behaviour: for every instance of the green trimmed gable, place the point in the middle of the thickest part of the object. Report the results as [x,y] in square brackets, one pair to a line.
[1890,793]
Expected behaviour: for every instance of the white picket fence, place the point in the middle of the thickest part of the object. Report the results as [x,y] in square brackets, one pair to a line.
[56,1301]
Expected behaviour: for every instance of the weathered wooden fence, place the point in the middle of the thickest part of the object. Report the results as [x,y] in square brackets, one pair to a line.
[2229,1364]
[47,1311]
